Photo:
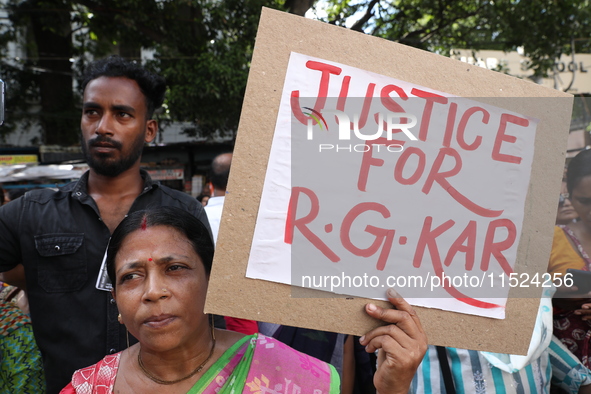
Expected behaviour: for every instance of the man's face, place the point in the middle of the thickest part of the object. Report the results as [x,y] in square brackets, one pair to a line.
[114,125]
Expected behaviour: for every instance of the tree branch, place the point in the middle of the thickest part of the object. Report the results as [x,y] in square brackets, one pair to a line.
[358,26]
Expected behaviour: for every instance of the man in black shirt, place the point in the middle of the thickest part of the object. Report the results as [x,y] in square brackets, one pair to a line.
[60,237]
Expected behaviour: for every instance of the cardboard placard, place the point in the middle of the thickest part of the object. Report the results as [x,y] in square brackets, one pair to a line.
[231,293]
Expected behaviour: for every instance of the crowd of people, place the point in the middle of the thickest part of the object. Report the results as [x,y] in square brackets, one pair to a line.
[116,268]
[140,325]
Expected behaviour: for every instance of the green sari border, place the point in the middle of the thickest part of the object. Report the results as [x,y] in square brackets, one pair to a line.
[237,382]
[216,367]
[335,380]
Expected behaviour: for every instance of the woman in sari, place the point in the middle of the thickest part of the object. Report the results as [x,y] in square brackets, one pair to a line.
[571,249]
[159,262]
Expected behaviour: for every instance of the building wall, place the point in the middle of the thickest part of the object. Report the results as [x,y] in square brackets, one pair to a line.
[567,74]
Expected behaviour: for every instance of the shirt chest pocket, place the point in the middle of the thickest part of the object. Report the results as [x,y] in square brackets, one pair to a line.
[62,262]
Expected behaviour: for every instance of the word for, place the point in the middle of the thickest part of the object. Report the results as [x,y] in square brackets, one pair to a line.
[435,174]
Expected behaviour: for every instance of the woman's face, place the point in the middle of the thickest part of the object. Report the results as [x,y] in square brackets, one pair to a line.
[160,288]
[581,200]
[566,213]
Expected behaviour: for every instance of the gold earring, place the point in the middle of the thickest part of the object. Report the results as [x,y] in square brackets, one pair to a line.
[119,319]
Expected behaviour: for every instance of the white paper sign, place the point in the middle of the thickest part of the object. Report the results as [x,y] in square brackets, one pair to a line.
[374,182]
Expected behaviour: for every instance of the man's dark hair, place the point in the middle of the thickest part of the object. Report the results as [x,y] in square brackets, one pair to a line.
[152,86]
[173,217]
[220,171]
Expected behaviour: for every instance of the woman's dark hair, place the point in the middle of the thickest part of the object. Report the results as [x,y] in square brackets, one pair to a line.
[578,168]
[177,218]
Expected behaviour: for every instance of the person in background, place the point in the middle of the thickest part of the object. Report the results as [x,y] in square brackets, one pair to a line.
[570,249]
[203,198]
[548,367]
[21,366]
[219,173]
[566,212]
[13,293]
[60,236]
[218,182]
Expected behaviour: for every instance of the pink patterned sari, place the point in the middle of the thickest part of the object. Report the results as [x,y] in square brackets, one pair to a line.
[256,365]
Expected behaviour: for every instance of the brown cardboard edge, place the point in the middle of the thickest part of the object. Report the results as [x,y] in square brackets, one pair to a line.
[231,293]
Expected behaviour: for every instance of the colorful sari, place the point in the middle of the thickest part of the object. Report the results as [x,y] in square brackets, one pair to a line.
[255,364]
[571,329]
[21,366]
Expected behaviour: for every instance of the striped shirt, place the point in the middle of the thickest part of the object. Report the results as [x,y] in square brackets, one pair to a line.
[473,373]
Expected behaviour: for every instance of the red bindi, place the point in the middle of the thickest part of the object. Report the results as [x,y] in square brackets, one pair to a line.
[150,259]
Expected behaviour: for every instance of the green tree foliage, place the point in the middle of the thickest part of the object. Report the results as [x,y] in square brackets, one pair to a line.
[203,47]
[544,28]
[39,78]
[207,65]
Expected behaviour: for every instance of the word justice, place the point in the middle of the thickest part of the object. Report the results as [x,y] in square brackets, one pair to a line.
[473,116]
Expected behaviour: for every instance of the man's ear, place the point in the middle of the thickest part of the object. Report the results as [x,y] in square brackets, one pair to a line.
[151,130]
[113,295]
